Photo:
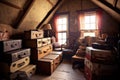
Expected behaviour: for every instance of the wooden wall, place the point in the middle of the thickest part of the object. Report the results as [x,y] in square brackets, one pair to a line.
[22,15]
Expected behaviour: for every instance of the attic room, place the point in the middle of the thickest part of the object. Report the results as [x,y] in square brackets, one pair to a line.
[59,39]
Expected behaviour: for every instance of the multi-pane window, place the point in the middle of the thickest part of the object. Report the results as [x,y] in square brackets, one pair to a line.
[61,26]
[88,24]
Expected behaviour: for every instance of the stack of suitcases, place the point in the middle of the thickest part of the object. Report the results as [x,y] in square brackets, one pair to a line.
[42,54]
[14,59]
[100,64]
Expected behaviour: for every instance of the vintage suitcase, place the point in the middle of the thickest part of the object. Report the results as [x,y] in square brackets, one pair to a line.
[100,70]
[37,53]
[46,41]
[45,66]
[9,45]
[100,56]
[57,53]
[33,34]
[18,75]
[33,43]
[29,70]
[55,58]
[15,55]
[13,67]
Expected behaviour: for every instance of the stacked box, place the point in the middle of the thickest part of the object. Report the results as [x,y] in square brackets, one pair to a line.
[40,49]
[100,64]
[100,56]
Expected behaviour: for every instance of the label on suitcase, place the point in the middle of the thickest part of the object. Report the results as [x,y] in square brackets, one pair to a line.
[37,53]
[29,70]
[15,55]
[100,56]
[9,45]
[13,67]
[33,34]
[45,66]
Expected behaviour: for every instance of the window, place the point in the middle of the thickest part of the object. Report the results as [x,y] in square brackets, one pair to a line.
[61,28]
[88,24]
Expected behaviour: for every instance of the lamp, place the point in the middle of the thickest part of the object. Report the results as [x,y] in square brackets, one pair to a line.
[47,28]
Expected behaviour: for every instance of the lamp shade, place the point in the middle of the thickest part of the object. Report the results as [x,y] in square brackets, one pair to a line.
[47,27]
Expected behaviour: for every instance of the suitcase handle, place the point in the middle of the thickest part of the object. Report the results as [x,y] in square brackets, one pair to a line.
[21,64]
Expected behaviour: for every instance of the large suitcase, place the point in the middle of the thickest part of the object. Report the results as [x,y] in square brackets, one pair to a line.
[100,56]
[6,68]
[9,45]
[35,43]
[29,70]
[37,53]
[55,58]
[45,66]
[100,69]
[33,34]
[57,53]
[15,55]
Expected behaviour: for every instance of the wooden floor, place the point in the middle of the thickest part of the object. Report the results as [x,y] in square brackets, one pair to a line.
[63,72]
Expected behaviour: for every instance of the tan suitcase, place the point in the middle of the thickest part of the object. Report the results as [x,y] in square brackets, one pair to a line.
[37,53]
[29,70]
[45,66]
[33,34]
[15,66]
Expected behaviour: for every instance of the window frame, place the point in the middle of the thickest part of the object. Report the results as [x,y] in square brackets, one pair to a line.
[62,31]
[82,23]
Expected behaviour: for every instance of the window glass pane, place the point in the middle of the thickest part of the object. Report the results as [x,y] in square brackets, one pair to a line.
[87,26]
[62,38]
[92,19]
[92,34]
[87,19]
[93,26]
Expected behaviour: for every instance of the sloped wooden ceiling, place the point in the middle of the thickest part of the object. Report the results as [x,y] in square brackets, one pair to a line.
[110,6]
[25,15]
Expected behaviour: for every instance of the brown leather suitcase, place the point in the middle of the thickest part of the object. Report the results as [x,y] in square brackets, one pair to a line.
[9,45]
[15,55]
[33,34]
[45,66]
[100,69]
[6,68]
[100,56]
[33,43]
[37,53]
[29,70]
[55,58]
